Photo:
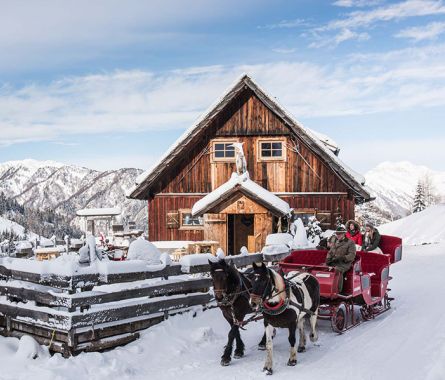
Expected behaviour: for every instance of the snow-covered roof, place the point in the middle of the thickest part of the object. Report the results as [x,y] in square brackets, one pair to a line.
[327,141]
[111,211]
[352,179]
[248,187]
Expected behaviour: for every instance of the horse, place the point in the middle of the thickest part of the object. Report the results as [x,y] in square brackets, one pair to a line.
[231,289]
[286,303]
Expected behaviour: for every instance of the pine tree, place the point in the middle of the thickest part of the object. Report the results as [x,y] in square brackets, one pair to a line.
[419,198]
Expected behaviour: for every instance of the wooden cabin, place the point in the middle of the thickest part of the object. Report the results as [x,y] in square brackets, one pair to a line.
[285,161]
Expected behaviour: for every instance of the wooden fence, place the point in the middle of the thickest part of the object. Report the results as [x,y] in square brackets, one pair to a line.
[92,312]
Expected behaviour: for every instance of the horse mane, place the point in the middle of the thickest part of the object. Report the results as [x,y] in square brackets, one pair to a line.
[279,284]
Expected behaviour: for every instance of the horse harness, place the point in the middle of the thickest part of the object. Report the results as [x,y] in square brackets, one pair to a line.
[283,305]
[227,302]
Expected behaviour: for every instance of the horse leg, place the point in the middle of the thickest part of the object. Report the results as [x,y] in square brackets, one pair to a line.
[292,339]
[313,336]
[269,348]
[302,341]
[262,344]
[239,351]
[227,355]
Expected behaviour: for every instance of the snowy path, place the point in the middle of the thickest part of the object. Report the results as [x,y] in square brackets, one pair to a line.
[407,342]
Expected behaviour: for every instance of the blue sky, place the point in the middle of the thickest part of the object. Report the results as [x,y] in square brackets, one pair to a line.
[109,84]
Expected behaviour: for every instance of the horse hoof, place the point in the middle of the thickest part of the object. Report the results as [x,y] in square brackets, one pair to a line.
[238,355]
[268,371]
[225,362]
[301,349]
[262,347]
[292,363]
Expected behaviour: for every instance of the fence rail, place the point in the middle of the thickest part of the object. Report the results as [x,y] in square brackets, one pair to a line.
[95,311]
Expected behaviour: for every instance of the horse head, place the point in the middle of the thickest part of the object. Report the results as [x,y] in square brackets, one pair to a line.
[223,277]
[261,285]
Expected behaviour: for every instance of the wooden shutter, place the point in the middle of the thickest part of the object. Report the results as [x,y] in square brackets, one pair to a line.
[173,219]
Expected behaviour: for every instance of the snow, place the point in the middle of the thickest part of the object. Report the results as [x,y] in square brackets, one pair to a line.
[300,237]
[173,244]
[407,342]
[28,348]
[8,225]
[394,184]
[274,249]
[400,344]
[423,227]
[188,261]
[142,249]
[107,211]
[279,238]
[245,183]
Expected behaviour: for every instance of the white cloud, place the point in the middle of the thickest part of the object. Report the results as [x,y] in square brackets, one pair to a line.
[427,151]
[342,36]
[133,101]
[285,24]
[354,21]
[398,11]
[356,3]
[48,33]
[427,32]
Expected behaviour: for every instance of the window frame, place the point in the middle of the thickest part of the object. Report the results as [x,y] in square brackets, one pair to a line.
[182,226]
[272,140]
[222,141]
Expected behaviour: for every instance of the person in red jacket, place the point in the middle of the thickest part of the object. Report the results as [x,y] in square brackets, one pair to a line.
[354,232]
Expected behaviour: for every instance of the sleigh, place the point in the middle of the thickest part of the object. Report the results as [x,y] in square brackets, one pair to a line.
[365,284]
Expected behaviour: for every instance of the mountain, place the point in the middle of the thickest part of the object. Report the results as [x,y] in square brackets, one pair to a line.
[67,188]
[394,184]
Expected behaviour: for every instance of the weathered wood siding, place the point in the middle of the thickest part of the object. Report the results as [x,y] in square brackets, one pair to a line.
[246,120]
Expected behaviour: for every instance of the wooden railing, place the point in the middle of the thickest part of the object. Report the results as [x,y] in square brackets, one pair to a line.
[91,312]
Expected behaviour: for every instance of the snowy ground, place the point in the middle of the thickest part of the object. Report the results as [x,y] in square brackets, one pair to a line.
[407,342]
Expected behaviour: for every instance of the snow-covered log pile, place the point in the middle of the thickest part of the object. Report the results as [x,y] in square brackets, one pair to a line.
[74,307]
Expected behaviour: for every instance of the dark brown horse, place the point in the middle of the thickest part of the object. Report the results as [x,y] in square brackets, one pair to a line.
[232,294]
[285,303]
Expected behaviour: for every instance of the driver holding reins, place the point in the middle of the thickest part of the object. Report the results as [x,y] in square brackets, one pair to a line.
[341,255]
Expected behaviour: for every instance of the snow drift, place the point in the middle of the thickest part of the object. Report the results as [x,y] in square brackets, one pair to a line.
[423,227]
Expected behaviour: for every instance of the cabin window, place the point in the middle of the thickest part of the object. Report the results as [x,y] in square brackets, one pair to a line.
[187,221]
[223,151]
[271,150]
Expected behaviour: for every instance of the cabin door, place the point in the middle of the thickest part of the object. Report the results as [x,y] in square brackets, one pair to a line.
[239,228]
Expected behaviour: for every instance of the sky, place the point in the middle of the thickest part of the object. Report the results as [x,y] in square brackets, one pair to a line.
[108,84]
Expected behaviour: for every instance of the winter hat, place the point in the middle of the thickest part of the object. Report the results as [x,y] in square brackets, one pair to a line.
[370,225]
[340,230]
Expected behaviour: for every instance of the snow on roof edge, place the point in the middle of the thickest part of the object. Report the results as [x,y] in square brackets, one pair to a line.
[360,179]
[143,176]
[246,184]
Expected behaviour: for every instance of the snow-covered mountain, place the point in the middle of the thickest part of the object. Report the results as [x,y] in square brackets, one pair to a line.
[394,184]
[67,188]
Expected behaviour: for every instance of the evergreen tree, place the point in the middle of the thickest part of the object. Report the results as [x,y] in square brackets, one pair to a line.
[419,198]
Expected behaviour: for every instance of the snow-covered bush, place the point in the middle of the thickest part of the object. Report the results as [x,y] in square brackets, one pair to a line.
[142,249]
[313,231]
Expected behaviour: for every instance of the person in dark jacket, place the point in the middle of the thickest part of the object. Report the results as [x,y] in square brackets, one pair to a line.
[353,232]
[341,255]
[371,240]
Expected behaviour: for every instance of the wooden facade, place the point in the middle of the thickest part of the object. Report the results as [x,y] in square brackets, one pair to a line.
[303,173]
